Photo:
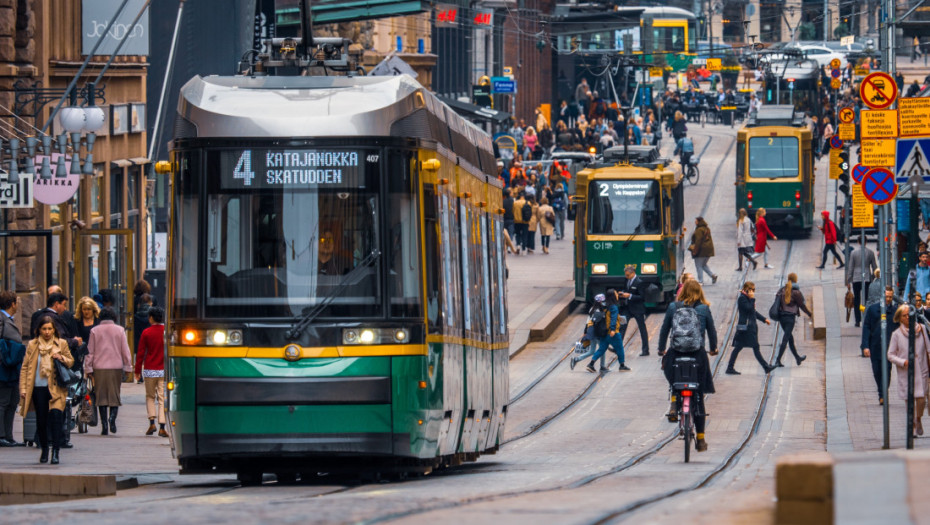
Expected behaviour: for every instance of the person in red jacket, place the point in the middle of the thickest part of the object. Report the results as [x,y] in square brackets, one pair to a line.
[762,237]
[150,365]
[829,240]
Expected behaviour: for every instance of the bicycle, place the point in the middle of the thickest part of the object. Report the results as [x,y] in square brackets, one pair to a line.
[692,173]
[684,391]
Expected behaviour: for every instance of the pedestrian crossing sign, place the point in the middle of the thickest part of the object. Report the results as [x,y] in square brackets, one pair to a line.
[911,159]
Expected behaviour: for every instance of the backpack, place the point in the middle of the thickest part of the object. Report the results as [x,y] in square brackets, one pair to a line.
[686,333]
[775,309]
[599,321]
[527,212]
[840,235]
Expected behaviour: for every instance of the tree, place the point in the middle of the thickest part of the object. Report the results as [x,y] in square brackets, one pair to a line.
[807,31]
[841,30]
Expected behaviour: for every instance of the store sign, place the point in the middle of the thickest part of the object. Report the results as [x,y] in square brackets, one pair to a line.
[158,252]
[484,17]
[56,190]
[294,169]
[446,15]
[96,14]
[18,195]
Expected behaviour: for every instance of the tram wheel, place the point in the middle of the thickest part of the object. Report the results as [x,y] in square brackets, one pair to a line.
[249,478]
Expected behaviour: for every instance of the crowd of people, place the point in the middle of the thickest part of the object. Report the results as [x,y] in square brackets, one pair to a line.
[40,370]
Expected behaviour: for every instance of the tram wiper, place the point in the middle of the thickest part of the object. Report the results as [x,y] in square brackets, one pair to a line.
[305,319]
[630,238]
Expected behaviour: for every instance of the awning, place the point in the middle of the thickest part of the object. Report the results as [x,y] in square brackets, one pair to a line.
[471,111]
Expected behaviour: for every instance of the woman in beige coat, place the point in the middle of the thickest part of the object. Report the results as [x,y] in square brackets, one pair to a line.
[533,224]
[897,354]
[544,225]
[39,389]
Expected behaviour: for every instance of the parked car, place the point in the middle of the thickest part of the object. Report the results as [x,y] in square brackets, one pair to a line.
[820,53]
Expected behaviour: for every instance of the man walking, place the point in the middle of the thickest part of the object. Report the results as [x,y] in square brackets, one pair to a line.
[919,279]
[861,261]
[11,362]
[521,220]
[872,337]
[634,306]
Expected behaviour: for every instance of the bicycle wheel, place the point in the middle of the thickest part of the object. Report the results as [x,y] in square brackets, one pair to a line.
[695,175]
[686,429]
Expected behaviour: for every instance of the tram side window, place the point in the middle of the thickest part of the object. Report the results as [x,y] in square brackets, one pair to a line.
[740,161]
[669,39]
[186,227]
[450,267]
[466,263]
[403,239]
[501,281]
[773,157]
[485,273]
[434,299]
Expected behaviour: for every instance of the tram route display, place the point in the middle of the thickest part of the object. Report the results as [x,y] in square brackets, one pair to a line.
[260,168]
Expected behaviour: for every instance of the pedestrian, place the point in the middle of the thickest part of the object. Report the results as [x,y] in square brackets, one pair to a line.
[898,355]
[56,308]
[827,134]
[12,353]
[875,292]
[918,279]
[829,240]
[559,204]
[595,329]
[634,306]
[88,316]
[532,225]
[108,359]
[763,233]
[702,249]
[508,211]
[691,296]
[39,389]
[915,52]
[861,260]
[747,331]
[545,219]
[871,344]
[530,141]
[685,277]
[679,127]
[744,240]
[138,290]
[140,320]
[508,242]
[614,338]
[150,365]
[522,212]
[790,303]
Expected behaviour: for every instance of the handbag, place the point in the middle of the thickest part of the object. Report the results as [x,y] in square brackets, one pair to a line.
[65,376]
[850,302]
[775,309]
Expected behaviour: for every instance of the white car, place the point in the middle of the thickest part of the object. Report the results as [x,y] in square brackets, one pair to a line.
[823,55]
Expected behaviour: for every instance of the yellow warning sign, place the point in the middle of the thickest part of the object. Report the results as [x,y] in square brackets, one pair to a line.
[914,115]
[878,152]
[835,169]
[835,63]
[714,64]
[655,72]
[835,83]
[863,213]
[846,131]
[861,71]
[879,124]
[847,115]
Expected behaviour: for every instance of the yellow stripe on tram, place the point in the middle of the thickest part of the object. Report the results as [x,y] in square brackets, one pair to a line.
[305,353]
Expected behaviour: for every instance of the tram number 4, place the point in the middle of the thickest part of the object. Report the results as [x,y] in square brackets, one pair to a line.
[244,168]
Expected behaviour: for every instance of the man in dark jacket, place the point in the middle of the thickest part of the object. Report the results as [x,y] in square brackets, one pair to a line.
[10,365]
[57,308]
[508,212]
[634,306]
[872,337]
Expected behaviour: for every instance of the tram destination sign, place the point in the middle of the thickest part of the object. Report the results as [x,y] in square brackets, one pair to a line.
[294,168]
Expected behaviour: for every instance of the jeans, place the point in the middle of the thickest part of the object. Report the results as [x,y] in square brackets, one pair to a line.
[530,239]
[858,291]
[9,398]
[155,395]
[765,255]
[827,248]
[592,348]
[700,264]
[560,223]
[521,230]
[509,226]
[616,341]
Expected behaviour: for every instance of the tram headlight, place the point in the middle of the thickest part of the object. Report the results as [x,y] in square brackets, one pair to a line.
[649,268]
[224,337]
[599,268]
[366,337]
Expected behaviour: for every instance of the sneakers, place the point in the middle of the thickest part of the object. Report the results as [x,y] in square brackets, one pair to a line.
[590,368]
[732,372]
[713,279]
[605,369]
[769,267]
[162,433]
[623,368]
[571,363]
[700,445]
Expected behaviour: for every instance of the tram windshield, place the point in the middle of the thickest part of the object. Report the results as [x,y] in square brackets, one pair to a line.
[773,157]
[624,207]
[284,229]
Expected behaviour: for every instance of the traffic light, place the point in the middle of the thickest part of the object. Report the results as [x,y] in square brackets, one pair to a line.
[843,170]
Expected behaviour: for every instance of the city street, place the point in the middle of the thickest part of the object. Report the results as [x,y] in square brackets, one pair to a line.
[579,447]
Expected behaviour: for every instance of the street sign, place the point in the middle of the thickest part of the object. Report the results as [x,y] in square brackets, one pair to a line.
[847,40]
[911,159]
[877,152]
[56,190]
[835,63]
[879,124]
[836,83]
[508,71]
[835,142]
[878,90]
[714,64]
[846,131]
[503,85]
[848,115]
[914,115]
[863,212]
[16,195]
[859,171]
[835,73]
[699,61]
[878,186]
[837,165]
[657,72]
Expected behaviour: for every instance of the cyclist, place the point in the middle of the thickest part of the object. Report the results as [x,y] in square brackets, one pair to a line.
[691,296]
[685,149]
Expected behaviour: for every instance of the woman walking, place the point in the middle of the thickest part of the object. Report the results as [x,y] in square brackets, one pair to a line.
[87,317]
[108,359]
[702,249]
[744,242]
[545,217]
[829,240]
[790,302]
[763,233]
[897,354]
[39,389]
[533,224]
[747,332]
[691,296]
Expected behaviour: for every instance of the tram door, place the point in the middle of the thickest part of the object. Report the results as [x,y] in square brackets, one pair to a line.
[103,260]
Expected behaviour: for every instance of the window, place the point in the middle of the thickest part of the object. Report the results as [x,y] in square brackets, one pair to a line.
[624,207]
[433,252]
[186,227]
[402,246]
[668,39]
[740,161]
[466,281]
[773,157]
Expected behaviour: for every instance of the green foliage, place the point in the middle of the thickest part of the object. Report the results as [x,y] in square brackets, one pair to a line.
[807,31]
[841,30]
[730,60]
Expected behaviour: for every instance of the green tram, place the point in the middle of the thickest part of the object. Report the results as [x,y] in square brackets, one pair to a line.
[775,169]
[629,210]
[336,292]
